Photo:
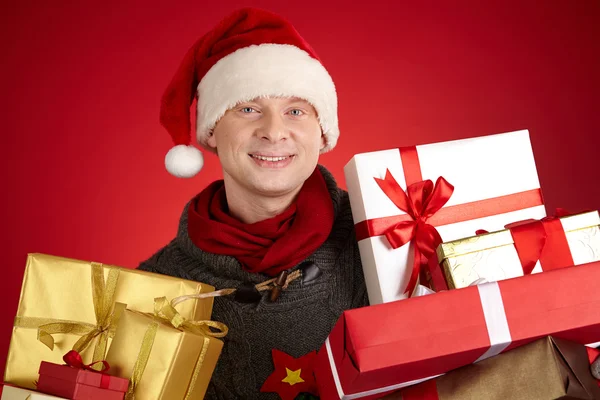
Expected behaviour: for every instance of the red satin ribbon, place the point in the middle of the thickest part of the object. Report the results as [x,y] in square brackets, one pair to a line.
[593,354]
[73,359]
[544,241]
[457,213]
[104,381]
[529,240]
[424,207]
[420,202]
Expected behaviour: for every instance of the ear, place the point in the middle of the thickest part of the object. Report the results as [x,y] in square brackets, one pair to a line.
[211,141]
[323,141]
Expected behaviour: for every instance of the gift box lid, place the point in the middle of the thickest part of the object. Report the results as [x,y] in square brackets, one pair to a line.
[84,377]
[461,162]
[490,240]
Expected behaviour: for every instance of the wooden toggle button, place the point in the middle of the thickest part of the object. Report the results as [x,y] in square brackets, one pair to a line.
[278,285]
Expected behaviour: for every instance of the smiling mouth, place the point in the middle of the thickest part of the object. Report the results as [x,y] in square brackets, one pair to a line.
[272,161]
[270,158]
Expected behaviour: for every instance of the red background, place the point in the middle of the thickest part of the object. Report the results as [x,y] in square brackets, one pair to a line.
[82,166]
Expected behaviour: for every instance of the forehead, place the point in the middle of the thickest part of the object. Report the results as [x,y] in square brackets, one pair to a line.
[282,101]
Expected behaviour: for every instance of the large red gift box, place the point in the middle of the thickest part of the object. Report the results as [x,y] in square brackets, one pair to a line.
[378,349]
[79,384]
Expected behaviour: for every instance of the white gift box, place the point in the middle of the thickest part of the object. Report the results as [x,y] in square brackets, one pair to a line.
[15,393]
[489,173]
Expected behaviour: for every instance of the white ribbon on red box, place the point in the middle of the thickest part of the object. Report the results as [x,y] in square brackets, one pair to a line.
[498,332]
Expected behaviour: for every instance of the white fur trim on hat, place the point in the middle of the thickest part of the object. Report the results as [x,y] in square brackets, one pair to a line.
[277,70]
[184,161]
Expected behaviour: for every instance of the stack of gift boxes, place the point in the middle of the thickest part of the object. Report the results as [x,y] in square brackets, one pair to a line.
[476,292]
[85,330]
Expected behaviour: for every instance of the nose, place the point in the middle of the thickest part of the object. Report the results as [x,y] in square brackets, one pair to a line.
[273,127]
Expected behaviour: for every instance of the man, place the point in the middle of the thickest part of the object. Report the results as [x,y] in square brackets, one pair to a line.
[267,107]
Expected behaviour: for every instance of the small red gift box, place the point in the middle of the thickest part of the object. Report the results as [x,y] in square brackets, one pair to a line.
[78,384]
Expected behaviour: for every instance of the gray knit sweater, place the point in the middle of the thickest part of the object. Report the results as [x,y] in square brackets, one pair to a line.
[297,323]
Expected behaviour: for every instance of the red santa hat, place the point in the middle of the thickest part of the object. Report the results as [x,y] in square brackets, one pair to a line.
[251,53]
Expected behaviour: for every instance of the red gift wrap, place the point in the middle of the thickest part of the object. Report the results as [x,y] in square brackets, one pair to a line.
[376,350]
[79,384]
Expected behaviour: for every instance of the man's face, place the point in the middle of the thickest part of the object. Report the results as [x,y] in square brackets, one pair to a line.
[268,146]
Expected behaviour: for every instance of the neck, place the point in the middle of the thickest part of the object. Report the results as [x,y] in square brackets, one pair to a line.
[251,207]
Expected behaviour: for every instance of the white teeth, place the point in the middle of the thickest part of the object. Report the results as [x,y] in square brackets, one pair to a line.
[272,159]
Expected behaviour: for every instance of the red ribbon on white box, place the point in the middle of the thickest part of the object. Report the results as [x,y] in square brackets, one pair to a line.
[498,332]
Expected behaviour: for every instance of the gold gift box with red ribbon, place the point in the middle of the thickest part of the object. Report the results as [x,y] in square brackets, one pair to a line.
[71,304]
[524,248]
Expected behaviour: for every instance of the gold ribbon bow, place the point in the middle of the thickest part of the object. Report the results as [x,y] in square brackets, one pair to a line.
[165,312]
[103,294]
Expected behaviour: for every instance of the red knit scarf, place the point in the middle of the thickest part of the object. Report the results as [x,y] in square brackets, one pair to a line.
[270,246]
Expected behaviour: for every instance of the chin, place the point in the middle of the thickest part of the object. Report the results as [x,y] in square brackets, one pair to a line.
[275,189]
[277,181]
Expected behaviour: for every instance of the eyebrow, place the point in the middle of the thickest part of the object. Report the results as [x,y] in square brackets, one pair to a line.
[298,101]
[287,101]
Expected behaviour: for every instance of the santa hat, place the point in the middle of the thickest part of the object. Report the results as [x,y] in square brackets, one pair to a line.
[251,53]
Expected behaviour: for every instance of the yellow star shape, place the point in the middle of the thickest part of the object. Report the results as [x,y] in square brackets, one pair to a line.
[293,377]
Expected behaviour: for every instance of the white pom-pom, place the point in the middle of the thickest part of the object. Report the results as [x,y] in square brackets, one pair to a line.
[184,161]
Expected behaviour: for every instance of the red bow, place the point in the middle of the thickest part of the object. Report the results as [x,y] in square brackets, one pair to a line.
[421,201]
[73,359]
[543,241]
[540,240]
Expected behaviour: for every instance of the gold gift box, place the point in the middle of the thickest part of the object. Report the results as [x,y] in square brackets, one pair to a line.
[62,294]
[167,363]
[548,368]
[493,257]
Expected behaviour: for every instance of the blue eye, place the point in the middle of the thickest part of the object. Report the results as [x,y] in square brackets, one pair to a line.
[296,112]
[247,110]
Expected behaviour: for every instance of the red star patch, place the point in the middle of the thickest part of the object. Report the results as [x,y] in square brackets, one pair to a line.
[291,376]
